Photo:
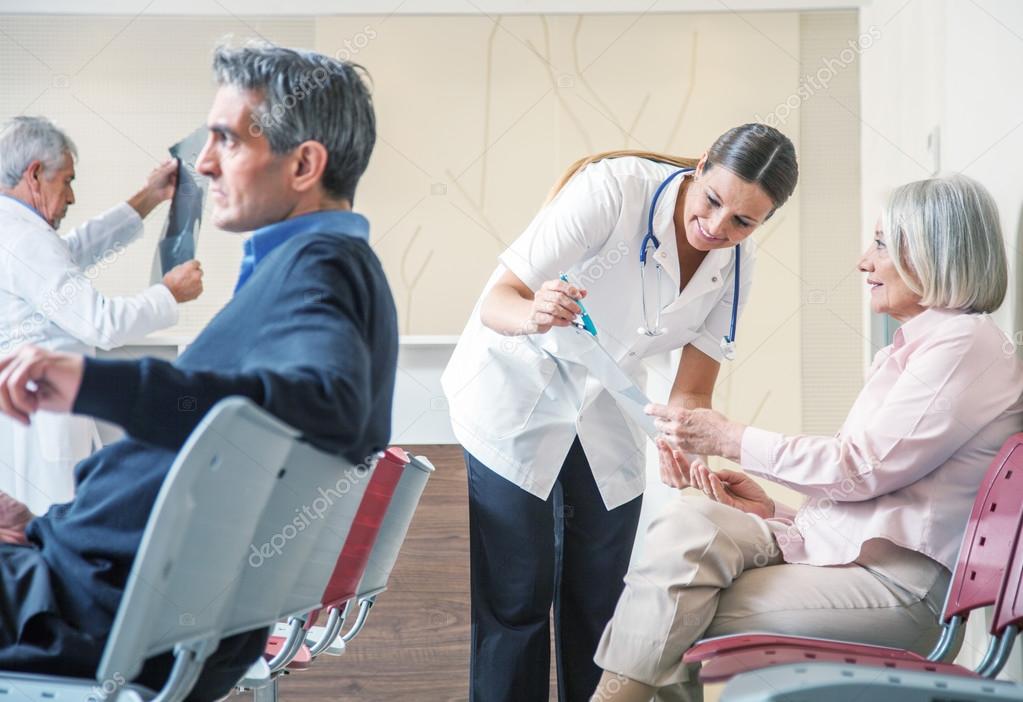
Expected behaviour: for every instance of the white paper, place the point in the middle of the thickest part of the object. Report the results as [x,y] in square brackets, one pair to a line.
[579,346]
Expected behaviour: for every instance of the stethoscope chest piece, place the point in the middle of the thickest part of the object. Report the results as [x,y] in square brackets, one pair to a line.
[728,348]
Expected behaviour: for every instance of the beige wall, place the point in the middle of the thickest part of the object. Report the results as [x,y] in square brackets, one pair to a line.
[477,117]
[475,128]
[125,89]
[830,241]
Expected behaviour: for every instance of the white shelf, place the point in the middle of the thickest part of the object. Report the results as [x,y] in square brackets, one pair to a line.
[405,340]
[162,340]
[427,340]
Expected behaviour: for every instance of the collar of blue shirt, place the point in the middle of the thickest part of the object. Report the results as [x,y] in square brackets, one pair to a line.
[26,206]
[265,239]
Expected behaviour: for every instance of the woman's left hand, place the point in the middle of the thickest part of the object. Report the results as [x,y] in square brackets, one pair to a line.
[700,431]
[732,488]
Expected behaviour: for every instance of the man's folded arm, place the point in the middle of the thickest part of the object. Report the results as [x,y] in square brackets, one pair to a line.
[312,370]
[156,402]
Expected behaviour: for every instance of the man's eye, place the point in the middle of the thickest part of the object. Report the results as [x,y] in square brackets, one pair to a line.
[880,244]
[713,202]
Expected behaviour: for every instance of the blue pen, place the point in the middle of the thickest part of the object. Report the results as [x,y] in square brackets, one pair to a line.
[587,322]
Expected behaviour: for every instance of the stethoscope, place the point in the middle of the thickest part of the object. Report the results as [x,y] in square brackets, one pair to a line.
[727,342]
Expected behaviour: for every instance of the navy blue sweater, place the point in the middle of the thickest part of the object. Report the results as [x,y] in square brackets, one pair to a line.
[311,337]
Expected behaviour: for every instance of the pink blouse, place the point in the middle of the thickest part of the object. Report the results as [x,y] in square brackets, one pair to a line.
[937,405]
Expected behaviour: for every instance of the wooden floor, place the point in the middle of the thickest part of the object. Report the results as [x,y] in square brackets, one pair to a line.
[416,642]
[415,645]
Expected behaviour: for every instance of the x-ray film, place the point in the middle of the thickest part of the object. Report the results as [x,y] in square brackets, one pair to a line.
[181,233]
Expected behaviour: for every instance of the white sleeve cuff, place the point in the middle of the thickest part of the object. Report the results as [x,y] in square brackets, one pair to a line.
[526,273]
[759,448]
[126,212]
[165,305]
[708,345]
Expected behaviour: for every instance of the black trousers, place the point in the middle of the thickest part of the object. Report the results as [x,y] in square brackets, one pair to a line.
[34,638]
[527,555]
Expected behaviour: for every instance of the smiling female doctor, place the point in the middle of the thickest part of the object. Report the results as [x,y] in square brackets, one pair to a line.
[556,473]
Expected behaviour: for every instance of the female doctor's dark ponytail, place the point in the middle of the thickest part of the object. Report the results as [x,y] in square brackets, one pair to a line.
[758,154]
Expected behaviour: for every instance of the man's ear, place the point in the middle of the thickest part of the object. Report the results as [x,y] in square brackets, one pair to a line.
[34,175]
[310,161]
[35,171]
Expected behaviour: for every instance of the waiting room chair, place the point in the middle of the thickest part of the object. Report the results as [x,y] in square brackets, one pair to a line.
[202,573]
[988,545]
[880,679]
[392,498]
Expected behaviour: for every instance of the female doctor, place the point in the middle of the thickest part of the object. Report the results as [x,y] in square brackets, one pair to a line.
[644,252]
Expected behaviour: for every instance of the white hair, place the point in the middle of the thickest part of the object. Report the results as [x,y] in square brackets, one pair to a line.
[27,139]
[947,244]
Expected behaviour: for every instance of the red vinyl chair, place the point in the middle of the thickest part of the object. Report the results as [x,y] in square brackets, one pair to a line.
[792,674]
[289,651]
[385,551]
[361,573]
[990,540]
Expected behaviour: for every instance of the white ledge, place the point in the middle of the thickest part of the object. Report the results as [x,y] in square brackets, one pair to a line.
[427,340]
[405,340]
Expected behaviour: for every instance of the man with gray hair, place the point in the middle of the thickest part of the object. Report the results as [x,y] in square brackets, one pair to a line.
[310,335]
[47,297]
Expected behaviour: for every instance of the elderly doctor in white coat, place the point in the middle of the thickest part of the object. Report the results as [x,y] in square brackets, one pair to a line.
[47,297]
[556,473]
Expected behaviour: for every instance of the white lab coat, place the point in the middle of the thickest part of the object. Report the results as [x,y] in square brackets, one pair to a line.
[514,407]
[47,299]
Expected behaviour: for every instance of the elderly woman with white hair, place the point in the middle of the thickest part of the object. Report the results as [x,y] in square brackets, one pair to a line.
[867,556]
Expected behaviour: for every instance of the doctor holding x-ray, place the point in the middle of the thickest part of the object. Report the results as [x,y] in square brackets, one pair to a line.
[47,297]
[641,253]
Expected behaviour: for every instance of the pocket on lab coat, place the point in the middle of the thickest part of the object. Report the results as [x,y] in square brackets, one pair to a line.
[504,389]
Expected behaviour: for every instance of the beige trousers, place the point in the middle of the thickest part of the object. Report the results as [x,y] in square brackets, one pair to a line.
[710,570]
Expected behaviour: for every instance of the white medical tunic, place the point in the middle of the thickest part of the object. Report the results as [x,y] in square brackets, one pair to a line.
[47,299]
[518,410]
